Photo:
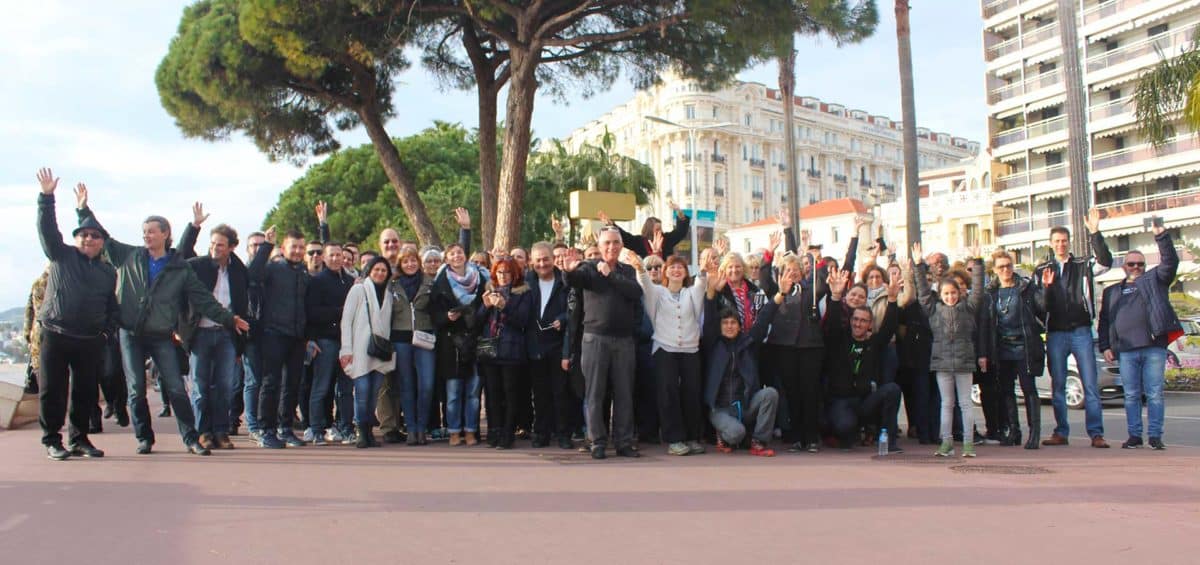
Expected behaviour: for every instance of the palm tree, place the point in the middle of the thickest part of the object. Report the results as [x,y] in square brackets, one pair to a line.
[1166,93]
[1077,137]
[908,116]
[611,171]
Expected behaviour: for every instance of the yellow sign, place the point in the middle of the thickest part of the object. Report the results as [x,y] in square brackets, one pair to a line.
[618,205]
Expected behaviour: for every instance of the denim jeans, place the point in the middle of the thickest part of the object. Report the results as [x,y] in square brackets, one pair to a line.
[462,404]
[251,373]
[328,375]
[1076,342]
[366,393]
[213,379]
[414,371]
[134,351]
[1142,373]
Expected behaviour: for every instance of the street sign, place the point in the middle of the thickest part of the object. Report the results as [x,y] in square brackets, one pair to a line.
[702,216]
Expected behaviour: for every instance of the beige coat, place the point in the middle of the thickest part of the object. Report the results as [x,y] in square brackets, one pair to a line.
[356,328]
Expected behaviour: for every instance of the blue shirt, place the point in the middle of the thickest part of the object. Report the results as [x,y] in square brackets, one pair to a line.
[157,265]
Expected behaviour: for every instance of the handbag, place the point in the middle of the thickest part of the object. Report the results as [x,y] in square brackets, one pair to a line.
[378,347]
[420,339]
[486,348]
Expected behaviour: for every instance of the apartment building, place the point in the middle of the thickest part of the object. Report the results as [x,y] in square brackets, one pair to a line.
[729,152]
[1130,180]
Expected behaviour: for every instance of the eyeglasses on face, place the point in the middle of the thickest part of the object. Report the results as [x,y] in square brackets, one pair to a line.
[1135,264]
[387,241]
[317,252]
[654,268]
[1003,266]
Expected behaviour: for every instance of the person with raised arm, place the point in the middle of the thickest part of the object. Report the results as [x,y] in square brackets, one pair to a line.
[641,244]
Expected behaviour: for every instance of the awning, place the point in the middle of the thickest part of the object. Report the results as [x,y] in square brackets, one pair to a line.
[1173,172]
[1167,12]
[1110,32]
[1052,194]
[1005,25]
[1010,113]
[1051,147]
[1012,158]
[1039,12]
[1127,77]
[1052,53]
[1122,181]
[1109,132]
[1046,103]
[1007,70]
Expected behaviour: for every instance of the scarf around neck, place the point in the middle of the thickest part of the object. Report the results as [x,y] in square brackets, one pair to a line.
[464,286]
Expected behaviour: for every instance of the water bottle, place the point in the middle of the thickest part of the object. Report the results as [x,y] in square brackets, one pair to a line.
[883,442]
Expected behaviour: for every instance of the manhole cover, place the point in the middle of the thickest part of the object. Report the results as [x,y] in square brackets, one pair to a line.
[1001,469]
[912,458]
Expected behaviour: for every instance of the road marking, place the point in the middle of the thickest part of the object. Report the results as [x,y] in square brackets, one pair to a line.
[13,521]
[1195,418]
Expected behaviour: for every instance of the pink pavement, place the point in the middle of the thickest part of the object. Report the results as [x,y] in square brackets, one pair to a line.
[437,504]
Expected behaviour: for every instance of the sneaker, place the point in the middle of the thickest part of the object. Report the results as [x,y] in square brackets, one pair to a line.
[946,449]
[349,436]
[291,440]
[1157,444]
[270,441]
[598,452]
[991,440]
[695,447]
[255,436]
[628,452]
[57,452]
[979,439]
[143,447]
[814,447]
[1133,442]
[968,450]
[196,449]
[320,440]
[308,436]
[84,448]
[757,448]
[723,447]
[798,447]
[333,435]
[678,448]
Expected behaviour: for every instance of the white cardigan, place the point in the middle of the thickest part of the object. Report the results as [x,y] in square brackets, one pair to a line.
[356,331]
[676,322]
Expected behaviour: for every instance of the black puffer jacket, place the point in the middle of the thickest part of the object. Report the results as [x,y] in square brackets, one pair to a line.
[80,299]
[1032,309]
[284,287]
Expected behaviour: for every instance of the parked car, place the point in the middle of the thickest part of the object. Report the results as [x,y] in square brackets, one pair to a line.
[1108,377]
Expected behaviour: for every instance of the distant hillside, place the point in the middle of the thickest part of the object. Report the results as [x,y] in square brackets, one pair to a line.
[13,315]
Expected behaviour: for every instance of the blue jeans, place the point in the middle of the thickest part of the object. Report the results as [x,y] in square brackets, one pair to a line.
[134,351]
[462,401]
[1076,342]
[1142,373]
[414,367]
[327,375]
[251,369]
[366,393]
[213,379]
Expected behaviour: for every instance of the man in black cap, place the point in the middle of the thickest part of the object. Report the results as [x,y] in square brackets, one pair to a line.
[76,316]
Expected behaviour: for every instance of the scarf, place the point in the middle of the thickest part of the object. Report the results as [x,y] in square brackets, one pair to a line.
[873,294]
[464,286]
[411,284]
[741,298]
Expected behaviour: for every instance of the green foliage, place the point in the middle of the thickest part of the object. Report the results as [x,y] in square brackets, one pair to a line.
[1168,91]
[613,172]
[443,160]
[1185,306]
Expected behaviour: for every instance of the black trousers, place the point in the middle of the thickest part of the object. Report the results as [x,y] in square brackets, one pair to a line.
[1008,374]
[502,388]
[915,384]
[112,376]
[680,395]
[847,414]
[555,408]
[282,363]
[799,371]
[70,369]
[645,403]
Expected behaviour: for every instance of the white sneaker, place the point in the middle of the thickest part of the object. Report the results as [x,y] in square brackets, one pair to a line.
[308,436]
[333,435]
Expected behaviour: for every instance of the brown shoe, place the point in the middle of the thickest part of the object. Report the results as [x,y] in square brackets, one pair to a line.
[455,439]
[470,438]
[206,441]
[1098,442]
[223,442]
[1055,439]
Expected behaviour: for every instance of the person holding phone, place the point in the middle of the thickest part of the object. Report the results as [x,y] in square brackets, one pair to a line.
[504,315]
[456,296]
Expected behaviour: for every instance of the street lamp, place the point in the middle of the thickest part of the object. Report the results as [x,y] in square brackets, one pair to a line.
[691,130]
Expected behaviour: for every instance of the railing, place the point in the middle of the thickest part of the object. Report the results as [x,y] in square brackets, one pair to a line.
[781,167]
[1106,9]
[668,160]
[719,191]
[839,178]
[1027,224]
[864,183]
[887,186]
[814,174]
[1051,125]
[1150,203]
[758,163]
[1009,136]
[1026,178]
[689,157]
[757,194]
[1146,46]
[1111,108]
[1015,44]
[1030,84]
[996,6]
[1186,142]
[718,158]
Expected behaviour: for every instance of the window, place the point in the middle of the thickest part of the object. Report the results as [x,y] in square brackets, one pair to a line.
[714,111]
[835,235]
[749,120]
[1122,243]
[1157,30]
[745,152]
[716,147]
[690,111]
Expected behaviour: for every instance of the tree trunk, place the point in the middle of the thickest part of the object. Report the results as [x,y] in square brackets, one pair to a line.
[518,125]
[787,89]
[489,172]
[1077,138]
[389,157]
[908,111]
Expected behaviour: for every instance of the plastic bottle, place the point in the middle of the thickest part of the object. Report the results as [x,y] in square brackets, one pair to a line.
[883,442]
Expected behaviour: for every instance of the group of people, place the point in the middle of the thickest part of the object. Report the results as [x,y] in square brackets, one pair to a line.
[615,345]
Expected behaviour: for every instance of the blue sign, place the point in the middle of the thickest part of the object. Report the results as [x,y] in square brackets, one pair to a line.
[702,215]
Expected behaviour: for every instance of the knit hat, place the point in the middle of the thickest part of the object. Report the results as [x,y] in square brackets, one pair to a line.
[90,223]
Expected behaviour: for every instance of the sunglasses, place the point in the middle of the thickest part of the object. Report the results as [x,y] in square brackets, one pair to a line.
[1136,264]
[90,235]
[654,268]
[315,252]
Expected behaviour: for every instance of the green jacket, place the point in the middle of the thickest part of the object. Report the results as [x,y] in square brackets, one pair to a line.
[156,310]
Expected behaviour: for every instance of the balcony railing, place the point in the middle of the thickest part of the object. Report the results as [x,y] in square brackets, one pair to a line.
[864,183]
[1021,133]
[1027,224]
[1026,178]
[1106,9]
[757,195]
[996,6]
[1009,136]
[1150,203]
[781,167]
[689,157]
[1179,144]
[719,191]
[1164,42]
[1110,109]
[887,186]
[814,174]
[757,163]
[668,160]
[839,178]
[716,158]
[1015,44]
[1030,84]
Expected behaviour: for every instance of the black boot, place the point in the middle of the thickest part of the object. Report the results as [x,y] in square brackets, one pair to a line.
[361,441]
[371,441]
[1013,419]
[96,425]
[1033,415]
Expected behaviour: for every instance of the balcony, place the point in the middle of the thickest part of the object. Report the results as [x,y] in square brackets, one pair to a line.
[757,163]
[1009,136]
[1026,178]
[1179,144]
[1147,46]
[1110,109]
[1030,84]
[719,191]
[864,183]
[690,157]
[1106,9]
[1015,44]
[757,195]
[668,160]
[1028,224]
[887,186]
[1151,203]
[814,174]
[781,167]
[993,7]
[717,158]
[1051,125]
[840,179]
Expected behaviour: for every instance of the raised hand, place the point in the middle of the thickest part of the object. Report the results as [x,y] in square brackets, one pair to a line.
[656,243]
[975,251]
[1092,221]
[81,196]
[1158,228]
[198,215]
[322,210]
[837,283]
[47,180]
[787,282]
[859,223]
[270,234]
[571,263]
[604,219]
[785,221]
[556,226]
[721,245]
[716,283]
[917,253]
[775,239]
[1048,275]
[463,217]
[603,268]
[630,258]
[673,205]
[893,288]
[805,241]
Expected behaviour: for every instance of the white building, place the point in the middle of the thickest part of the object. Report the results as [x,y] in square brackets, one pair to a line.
[738,168]
[1027,122]
[830,223]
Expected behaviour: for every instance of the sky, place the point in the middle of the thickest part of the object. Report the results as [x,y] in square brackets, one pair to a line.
[79,97]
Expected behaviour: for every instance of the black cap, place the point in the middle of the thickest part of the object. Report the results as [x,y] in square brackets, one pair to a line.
[89,223]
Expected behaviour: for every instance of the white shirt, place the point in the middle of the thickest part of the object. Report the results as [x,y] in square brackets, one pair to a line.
[221,293]
[546,287]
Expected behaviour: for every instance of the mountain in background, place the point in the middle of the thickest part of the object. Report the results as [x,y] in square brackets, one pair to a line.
[13,316]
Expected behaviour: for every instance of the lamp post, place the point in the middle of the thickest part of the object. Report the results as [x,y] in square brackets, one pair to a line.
[691,131]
